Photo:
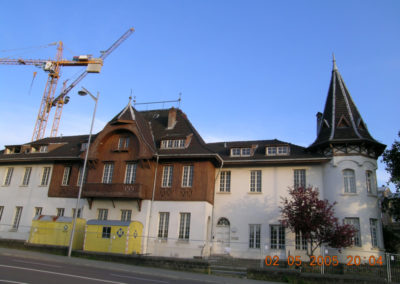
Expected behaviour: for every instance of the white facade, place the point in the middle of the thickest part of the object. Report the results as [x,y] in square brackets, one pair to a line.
[28,198]
[245,209]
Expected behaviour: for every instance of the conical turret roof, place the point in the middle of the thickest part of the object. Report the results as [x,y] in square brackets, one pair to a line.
[341,122]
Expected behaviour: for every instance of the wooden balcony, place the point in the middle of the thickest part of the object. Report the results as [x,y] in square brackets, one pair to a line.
[113,190]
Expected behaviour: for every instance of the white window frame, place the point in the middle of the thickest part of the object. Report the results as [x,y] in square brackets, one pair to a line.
[370,182]
[184,226]
[225,181]
[8,176]
[277,237]
[187,176]
[60,212]
[299,178]
[241,152]
[374,232]
[27,176]
[254,236]
[283,150]
[43,149]
[167,176]
[17,218]
[102,214]
[173,144]
[44,181]
[300,241]
[78,183]
[38,211]
[108,173]
[126,215]
[130,173]
[66,175]
[255,181]
[355,222]
[349,178]
[163,225]
[123,143]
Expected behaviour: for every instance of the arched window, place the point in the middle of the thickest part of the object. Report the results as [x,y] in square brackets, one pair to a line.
[223,222]
[349,178]
[371,182]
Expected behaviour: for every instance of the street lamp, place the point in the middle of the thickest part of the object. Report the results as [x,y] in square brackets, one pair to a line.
[82,92]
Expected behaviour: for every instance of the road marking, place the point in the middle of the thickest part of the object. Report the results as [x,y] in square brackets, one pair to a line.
[14,282]
[36,263]
[62,274]
[138,278]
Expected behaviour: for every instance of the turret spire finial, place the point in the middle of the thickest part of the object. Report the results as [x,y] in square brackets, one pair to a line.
[334,62]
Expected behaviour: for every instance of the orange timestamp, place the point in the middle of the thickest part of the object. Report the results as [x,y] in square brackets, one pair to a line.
[324,260]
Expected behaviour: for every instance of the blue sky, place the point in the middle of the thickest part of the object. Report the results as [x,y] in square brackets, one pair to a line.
[247,70]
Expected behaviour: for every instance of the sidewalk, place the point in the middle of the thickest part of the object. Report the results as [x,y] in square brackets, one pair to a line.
[148,271]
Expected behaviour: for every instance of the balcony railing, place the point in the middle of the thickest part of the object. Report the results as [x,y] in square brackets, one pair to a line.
[113,190]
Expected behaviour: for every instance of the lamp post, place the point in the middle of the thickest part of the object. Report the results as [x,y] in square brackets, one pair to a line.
[82,92]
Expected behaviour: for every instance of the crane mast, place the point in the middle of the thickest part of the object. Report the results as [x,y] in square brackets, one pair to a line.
[54,69]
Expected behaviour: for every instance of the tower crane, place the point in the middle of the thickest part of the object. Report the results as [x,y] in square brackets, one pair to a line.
[53,67]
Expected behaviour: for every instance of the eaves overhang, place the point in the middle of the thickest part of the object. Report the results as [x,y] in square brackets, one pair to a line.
[39,159]
[248,162]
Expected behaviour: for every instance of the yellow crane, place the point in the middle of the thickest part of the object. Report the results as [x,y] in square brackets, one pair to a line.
[53,67]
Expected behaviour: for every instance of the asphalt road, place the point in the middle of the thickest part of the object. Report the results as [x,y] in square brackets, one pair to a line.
[23,271]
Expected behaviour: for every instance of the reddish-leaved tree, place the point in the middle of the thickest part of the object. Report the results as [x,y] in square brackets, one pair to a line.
[314,218]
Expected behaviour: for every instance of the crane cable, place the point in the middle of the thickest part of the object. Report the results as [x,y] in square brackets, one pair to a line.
[30,87]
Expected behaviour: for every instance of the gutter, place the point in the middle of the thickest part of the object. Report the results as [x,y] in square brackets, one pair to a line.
[211,239]
[151,204]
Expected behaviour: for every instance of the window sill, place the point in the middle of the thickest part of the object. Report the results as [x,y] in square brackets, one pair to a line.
[255,192]
[182,241]
[22,185]
[223,192]
[349,194]
[162,240]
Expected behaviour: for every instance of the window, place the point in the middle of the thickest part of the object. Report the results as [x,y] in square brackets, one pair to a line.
[66,176]
[1,211]
[130,173]
[43,149]
[301,243]
[277,237]
[102,214]
[60,212]
[163,225]
[255,236]
[299,178]
[355,222]
[277,150]
[7,179]
[108,172]
[123,143]
[106,234]
[173,144]
[167,176]
[79,213]
[38,211]
[187,176]
[84,147]
[371,182]
[374,232]
[17,218]
[184,227]
[255,181]
[349,181]
[81,175]
[27,176]
[126,215]
[225,181]
[45,176]
[240,152]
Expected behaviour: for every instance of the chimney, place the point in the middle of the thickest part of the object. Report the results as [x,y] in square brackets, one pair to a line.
[171,118]
[319,121]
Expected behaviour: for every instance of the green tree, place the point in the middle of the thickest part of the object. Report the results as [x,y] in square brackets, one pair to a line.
[391,157]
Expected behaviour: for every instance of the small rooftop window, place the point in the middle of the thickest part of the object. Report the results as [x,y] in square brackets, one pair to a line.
[173,144]
[283,150]
[44,149]
[241,152]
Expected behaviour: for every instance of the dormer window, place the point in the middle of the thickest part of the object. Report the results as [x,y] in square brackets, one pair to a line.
[173,144]
[283,150]
[240,152]
[43,149]
[84,146]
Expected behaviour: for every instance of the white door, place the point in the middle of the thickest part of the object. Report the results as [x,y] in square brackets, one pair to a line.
[222,237]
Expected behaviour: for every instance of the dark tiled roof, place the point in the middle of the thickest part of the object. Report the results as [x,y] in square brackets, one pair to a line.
[296,152]
[68,148]
[341,120]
